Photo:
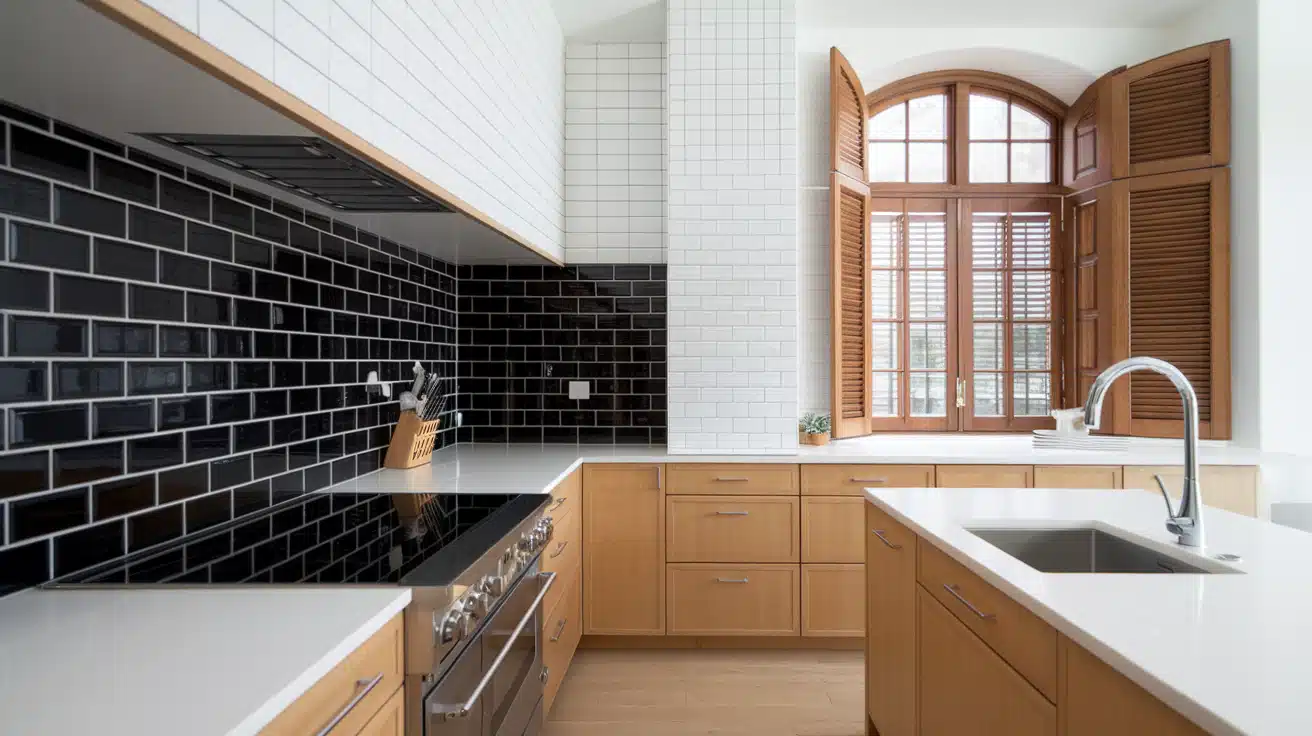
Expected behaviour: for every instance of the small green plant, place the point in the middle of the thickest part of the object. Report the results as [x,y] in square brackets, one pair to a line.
[812,423]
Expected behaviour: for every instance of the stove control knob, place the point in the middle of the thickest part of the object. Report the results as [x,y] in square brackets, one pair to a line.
[476,605]
[455,626]
[548,527]
[493,585]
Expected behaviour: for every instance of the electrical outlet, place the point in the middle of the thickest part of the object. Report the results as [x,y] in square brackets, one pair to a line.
[579,390]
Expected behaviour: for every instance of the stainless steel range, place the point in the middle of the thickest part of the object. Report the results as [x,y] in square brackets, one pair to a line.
[473,630]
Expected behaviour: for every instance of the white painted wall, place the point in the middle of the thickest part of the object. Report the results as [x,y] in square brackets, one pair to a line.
[732,226]
[615,153]
[469,94]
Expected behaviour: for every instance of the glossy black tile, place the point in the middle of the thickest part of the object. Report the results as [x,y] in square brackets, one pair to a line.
[150,453]
[176,269]
[121,497]
[188,342]
[270,345]
[270,226]
[24,289]
[156,228]
[87,380]
[231,280]
[47,425]
[251,436]
[252,252]
[184,199]
[210,242]
[155,527]
[23,473]
[43,246]
[269,462]
[113,258]
[124,180]
[208,309]
[230,472]
[253,376]
[41,515]
[184,412]
[230,344]
[22,382]
[80,295]
[249,313]
[84,211]
[205,444]
[270,404]
[24,196]
[288,262]
[146,302]
[207,511]
[156,163]
[209,376]
[230,408]
[86,463]
[90,546]
[122,339]
[270,286]
[231,214]
[154,378]
[48,156]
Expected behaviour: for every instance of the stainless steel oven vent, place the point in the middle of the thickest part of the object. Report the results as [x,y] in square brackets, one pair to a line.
[308,167]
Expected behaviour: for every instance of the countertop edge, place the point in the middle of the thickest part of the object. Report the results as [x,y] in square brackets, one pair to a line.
[279,702]
[1195,711]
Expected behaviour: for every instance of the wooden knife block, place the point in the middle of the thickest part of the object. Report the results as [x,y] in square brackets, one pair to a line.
[412,442]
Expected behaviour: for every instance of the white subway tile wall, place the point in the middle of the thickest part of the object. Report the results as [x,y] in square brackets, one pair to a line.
[470,95]
[615,153]
[732,138]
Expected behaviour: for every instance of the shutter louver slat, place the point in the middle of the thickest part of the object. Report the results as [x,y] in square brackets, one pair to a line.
[1170,113]
[1170,296]
[850,250]
[847,124]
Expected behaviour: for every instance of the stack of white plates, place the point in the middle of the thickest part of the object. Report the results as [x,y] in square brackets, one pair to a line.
[1051,439]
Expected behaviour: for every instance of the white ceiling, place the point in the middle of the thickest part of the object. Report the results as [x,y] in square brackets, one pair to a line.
[644,20]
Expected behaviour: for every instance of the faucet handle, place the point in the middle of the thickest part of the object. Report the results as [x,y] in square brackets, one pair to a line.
[1161,486]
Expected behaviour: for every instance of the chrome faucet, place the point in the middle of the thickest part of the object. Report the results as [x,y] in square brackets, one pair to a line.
[1187,524]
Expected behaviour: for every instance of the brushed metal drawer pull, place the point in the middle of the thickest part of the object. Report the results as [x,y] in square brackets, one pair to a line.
[730,479]
[559,502]
[560,629]
[867,480]
[731,580]
[730,513]
[880,533]
[363,688]
[953,590]
[559,548]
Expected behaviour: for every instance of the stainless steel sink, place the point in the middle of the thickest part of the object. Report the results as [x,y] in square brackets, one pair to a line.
[1084,550]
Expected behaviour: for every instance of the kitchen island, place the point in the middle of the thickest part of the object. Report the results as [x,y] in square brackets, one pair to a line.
[1227,650]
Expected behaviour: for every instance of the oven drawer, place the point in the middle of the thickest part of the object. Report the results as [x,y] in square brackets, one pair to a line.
[372,673]
[733,479]
[562,555]
[733,600]
[562,629]
[732,528]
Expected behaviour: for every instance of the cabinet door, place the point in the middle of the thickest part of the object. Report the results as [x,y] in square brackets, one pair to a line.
[1229,487]
[833,600]
[734,600]
[1077,476]
[966,688]
[624,549]
[985,476]
[833,529]
[1098,700]
[390,719]
[890,624]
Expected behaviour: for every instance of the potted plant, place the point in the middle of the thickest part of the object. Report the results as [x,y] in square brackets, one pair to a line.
[813,429]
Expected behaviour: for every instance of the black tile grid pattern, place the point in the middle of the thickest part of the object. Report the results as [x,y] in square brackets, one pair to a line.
[178,349]
[526,331]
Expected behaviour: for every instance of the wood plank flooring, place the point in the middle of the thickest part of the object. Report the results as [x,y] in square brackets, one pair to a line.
[689,692]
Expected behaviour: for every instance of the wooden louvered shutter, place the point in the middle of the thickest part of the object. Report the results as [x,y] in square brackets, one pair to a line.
[1178,290]
[1086,148]
[850,286]
[1095,315]
[847,120]
[1173,113]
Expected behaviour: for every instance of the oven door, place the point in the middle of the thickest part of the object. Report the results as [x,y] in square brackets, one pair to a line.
[495,685]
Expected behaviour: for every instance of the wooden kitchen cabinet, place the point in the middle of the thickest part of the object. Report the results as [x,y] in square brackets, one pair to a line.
[624,549]
[561,629]
[853,480]
[390,719]
[1229,487]
[734,600]
[833,529]
[965,688]
[834,600]
[890,624]
[733,479]
[1096,700]
[732,528]
[1077,476]
[985,476]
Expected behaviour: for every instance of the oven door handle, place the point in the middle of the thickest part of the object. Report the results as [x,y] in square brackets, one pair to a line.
[443,711]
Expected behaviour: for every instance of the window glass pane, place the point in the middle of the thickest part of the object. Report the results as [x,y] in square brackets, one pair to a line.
[929,119]
[987,346]
[988,162]
[890,124]
[1025,125]
[986,294]
[888,161]
[883,295]
[929,394]
[1031,294]
[929,346]
[884,346]
[927,297]
[1030,394]
[885,239]
[1031,240]
[1029,347]
[988,395]
[1029,162]
[987,233]
[929,237]
[929,162]
[988,118]
[883,391]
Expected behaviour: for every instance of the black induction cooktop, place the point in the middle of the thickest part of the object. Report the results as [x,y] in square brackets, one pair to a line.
[338,538]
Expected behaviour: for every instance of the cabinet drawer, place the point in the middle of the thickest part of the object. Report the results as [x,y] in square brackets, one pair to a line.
[985,476]
[732,528]
[833,529]
[1023,639]
[729,600]
[1077,476]
[390,719]
[852,480]
[562,555]
[733,479]
[834,600]
[566,496]
[377,666]
[562,629]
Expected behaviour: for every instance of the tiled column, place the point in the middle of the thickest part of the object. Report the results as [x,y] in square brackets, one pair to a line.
[732,250]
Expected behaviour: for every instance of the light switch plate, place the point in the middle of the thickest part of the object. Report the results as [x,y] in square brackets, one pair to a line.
[579,390]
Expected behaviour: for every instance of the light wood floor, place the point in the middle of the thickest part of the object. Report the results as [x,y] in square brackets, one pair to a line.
[687,692]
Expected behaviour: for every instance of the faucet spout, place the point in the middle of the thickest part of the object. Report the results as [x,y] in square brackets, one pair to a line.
[1187,523]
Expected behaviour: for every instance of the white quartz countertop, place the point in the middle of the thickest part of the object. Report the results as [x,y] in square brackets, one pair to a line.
[167,662]
[1232,652]
[522,468]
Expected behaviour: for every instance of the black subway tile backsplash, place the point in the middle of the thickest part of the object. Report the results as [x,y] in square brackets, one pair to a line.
[42,154]
[24,289]
[47,425]
[49,247]
[87,380]
[85,463]
[80,295]
[24,195]
[124,260]
[41,515]
[22,382]
[89,212]
[184,199]
[176,269]
[156,228]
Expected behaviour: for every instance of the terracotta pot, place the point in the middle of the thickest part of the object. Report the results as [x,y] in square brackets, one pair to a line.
[813,439]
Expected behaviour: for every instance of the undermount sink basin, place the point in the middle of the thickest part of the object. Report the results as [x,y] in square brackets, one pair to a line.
[1082,550]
